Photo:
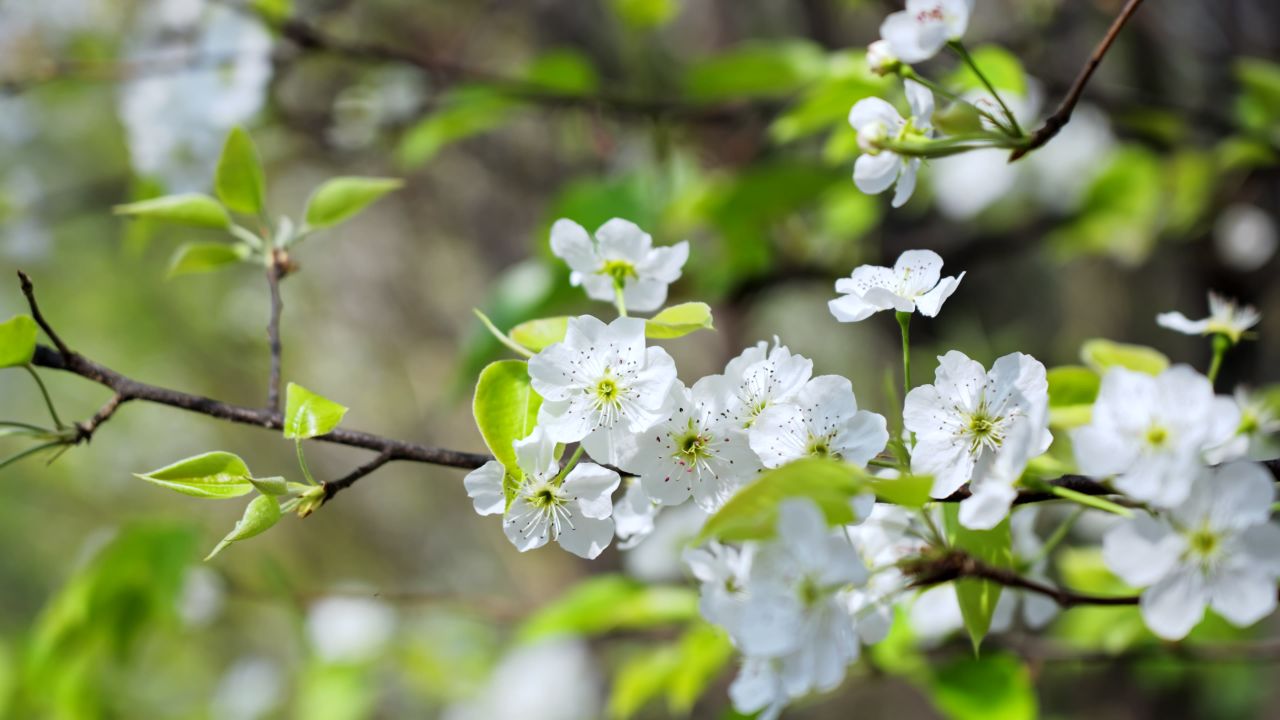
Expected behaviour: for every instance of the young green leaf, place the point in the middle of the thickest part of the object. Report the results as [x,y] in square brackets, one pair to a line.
[605,603]
[17,341]
[240,182]
[341,198]
[752,513]
[911,491]
[1102,355]
[978,598]
[1072,391]
[261,513]
[537,335]
[272,485]
[201,257]
[187,209]
[506,409]
[216,475]
[994,687]
[678,321]
[308,415]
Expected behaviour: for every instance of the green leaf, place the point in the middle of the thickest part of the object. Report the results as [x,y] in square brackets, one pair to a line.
[958,118]
[272,485]
[341,198]
[756,70]
[642,677]
[239,181]
[202,257]
[17,341]
[826,103]
[465,112]
[995,687]
[752,513]
[610,602]
[506,409]
[704,651]
[564,71]
[1000,66]
[978,598]
[540,334]
[909,491]
[308,415]
[1072,391]
[261,513]
[188,209]
[642,14]
[678,321]
[1102,355]
[217,475]
[1259,104]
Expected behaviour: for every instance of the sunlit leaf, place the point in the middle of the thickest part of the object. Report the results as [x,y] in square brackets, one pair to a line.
[187,209]
[505,407]
[216,475]
[259,516]
[1102,355]
[202,257]
[753,70]
[308,415]
[1072,391]
[466,112]
[644,14]
[1001,67]
[541,333]
[564,71]
[341,198]
[752,513]
[978,598]
[996,686]
[678,321]
[17,341]
[240,182]
[611,602]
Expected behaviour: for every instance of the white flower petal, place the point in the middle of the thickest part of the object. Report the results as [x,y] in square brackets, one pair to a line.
[624,240]
[526,526]
[585,537]
[664,264]
[1175,604]
[1141,551]
[920,98]
[592,487]
[484,487]
[536,454]
[1243,597]
[571,243]
[985,508]
[1181,323]
[873,174]
[872,111]
[906,182]
[931,302]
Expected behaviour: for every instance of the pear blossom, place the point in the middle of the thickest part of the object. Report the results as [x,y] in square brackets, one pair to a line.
[1226,317]
[573,511]
[634,516]
[1216,548]
[695,452]
[969,417]
[890,534]
[758,379]
[919,32]
[877,122]
[796,631]
[880,58]
[1152,432]
[1258,422]
[913,283]
[601,384]
[823,420]
[992,493]
[621,254]
[723,571]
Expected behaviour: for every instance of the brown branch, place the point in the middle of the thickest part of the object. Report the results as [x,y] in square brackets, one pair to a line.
[333,487]
[29,291]
[1062,115]
[956,565]
[275,273]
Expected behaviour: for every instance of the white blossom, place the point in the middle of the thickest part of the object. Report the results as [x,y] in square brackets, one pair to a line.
[890,534]
[880,58]
[696,451]
[919,32]
[1216,548]
[1226,317]
[723,571]
[914,283]
[966,419]
[601,384]
[1258,423]
[634,515]
[822,420]
[795,629]
[877,122]
[758,379]
[574,511]
[1152,432]
[621,253]
[992,493]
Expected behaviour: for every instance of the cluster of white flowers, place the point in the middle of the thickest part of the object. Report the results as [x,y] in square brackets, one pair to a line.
[800,605]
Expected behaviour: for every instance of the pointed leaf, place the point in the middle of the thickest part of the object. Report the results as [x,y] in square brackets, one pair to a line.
[261,513]
[17,341]
[240,182]
[1072,392]
[308,415]
[506,409]
[978,598]
[1102,355]
[537,335]
[272,485]
[678,321]
[216,475]
[202,257]
[752,513]
[341,198]
[187,209]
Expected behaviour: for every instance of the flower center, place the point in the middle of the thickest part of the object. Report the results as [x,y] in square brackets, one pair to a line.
[1204,544]
[819,446]
[544,497]
[810,591]
[1157,436]
[607,390]
[1249,423]
[619,270]
[984,431]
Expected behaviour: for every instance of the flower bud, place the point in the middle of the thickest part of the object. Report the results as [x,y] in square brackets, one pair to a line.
[881,59]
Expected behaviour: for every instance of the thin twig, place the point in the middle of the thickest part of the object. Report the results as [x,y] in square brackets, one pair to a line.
[275,273]
[955,565]
[1055,122]
[29,291]
[333,487]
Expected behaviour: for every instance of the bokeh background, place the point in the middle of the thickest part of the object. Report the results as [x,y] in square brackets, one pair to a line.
[719,121]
